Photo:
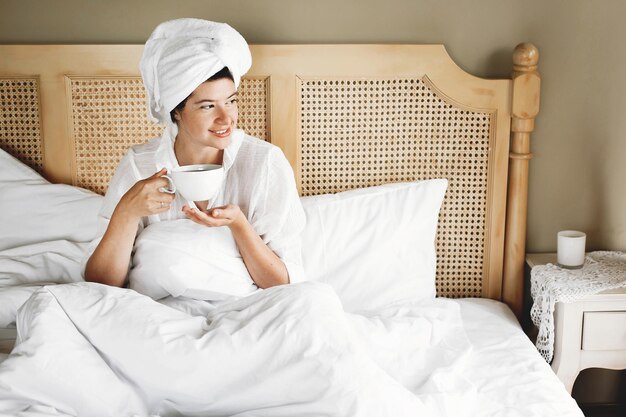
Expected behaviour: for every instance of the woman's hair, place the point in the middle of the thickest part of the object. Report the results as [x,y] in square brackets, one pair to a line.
[223,73]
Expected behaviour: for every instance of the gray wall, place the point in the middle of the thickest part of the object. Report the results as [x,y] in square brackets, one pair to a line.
[579,170]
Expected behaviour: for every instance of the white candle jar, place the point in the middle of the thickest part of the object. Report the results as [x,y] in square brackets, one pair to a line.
[571,249]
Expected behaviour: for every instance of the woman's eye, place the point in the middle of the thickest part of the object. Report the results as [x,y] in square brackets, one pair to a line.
[233,101]
[207,107]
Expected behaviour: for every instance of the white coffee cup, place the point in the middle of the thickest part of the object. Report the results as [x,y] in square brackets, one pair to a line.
[195,182]
[570,249]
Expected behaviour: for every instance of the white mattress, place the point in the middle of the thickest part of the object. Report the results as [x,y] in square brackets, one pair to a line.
[510,377]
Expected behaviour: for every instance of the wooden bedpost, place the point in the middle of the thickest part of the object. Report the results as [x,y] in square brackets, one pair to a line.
[525,106]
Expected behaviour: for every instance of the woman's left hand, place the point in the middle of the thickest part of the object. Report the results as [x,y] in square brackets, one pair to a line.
[228,215]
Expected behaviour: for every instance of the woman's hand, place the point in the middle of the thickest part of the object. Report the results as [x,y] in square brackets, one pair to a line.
[229,215]
[264,266]
[109,262]
[144,198]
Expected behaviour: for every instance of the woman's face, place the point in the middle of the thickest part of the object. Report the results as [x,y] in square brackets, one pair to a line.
[210,114]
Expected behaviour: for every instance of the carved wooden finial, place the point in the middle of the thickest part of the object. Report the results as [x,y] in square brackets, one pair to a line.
[525,57]
[526,87]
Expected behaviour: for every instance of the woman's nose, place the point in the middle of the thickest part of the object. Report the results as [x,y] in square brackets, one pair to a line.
[223,115]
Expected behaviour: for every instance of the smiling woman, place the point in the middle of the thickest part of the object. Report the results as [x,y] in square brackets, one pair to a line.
[191,69]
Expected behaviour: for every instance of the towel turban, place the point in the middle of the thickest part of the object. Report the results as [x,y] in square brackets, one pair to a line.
[181,54]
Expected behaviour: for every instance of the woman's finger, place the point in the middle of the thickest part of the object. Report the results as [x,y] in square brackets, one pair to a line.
[201,217]
[226,213]
[163,206]
[161,185]
[159,173]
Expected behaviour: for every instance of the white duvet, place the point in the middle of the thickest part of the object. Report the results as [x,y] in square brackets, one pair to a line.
[92,350]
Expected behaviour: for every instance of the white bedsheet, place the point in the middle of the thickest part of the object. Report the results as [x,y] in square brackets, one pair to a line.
[24,269]
[90,349]
[510,377]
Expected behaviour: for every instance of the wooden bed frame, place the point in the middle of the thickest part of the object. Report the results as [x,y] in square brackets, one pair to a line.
[346,116]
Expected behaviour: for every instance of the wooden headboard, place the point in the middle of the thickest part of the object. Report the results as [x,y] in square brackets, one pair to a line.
[346,116]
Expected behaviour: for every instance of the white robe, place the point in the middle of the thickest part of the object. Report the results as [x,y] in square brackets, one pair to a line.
[258,178]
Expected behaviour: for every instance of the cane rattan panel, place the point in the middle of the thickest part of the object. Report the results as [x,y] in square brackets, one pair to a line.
[109,116]
[358,133]
[20,122]
[253,107]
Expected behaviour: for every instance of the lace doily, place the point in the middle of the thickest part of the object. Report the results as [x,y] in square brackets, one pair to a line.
[551,284]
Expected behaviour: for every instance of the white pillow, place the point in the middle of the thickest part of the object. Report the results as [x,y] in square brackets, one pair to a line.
[184,259]
[375,246]
[32,210]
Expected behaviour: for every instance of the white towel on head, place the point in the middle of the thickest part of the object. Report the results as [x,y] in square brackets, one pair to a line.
[181,54]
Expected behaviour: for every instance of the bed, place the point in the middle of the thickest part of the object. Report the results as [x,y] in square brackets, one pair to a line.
[413,176]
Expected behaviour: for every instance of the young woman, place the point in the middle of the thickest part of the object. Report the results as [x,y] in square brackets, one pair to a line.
[191,69]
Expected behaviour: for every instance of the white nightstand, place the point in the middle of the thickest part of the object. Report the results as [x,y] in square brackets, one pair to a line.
[589,333]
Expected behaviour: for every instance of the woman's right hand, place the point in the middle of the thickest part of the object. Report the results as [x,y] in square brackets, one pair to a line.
[144,198]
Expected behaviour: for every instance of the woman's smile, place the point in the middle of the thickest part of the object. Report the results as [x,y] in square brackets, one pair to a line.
[222,133]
